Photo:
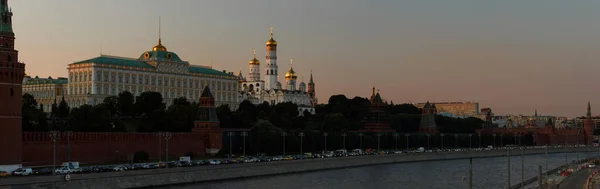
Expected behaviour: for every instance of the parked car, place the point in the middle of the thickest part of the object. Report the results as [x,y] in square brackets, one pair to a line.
[3,174]
[63,170]
[44,171]
[22,172]
[119,168]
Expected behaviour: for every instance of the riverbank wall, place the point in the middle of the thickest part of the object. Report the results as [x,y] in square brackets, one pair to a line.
[174,176]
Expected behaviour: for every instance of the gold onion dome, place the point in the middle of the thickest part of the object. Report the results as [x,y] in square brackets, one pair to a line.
[254,61]
[159,47]
[291,73]
[271,41]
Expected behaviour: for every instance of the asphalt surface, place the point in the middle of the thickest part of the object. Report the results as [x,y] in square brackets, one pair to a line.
[577,180]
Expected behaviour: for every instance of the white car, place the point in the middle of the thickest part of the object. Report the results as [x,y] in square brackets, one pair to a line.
[214,162]
[63,170]
[119,168]
[23,171]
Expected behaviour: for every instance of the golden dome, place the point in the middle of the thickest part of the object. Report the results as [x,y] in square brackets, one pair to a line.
[291,74]
[272,42]
[159,47]
[254,61]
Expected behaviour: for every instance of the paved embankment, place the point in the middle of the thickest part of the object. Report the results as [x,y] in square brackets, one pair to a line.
[160,177]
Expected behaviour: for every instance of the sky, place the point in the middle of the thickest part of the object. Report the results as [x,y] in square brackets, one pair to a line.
[513,56]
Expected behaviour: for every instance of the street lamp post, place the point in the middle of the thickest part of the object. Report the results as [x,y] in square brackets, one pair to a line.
[378,142]
[428,137]
[455,140]
[244,134]
[344,140]
[68,134]
[167,136]
[407,142]
[442,135]
[396,138]
[501,140]
[361,136]
[325,138]
[159,135]
[54,136]
[479,135]
[283,134]
[301,134]
[230,134]
[470,137]
[494,144]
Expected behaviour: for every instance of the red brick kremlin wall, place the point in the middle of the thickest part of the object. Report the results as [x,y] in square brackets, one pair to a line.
[96,148]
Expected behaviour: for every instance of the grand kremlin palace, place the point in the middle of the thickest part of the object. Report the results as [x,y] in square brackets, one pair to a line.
[90,81]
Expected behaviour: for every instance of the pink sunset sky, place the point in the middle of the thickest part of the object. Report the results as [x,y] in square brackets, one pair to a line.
[511,56]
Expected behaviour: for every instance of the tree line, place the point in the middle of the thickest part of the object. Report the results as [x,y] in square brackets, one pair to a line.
[148,113]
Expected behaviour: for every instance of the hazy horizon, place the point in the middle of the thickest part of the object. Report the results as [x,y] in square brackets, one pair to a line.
[512,56]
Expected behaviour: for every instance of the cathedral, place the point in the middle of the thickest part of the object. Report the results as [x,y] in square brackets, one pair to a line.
[270,90]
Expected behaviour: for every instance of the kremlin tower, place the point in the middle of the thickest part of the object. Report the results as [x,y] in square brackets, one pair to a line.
[11,78]
[271,68]
[588,126]
[311,90]
[427,124]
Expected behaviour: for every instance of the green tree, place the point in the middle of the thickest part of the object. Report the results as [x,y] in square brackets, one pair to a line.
[110,103]
[149,102]
[125,104]
[181,115]
[33,119]
[63,108]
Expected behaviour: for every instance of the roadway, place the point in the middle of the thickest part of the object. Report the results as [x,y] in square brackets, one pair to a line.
[576,180]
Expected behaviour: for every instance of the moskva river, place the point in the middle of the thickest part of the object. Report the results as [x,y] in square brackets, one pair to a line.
[488,173]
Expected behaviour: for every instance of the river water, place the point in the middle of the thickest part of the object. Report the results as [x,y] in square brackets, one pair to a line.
[488,173]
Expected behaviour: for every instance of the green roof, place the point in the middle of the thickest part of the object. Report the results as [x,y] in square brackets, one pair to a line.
[122,61]
[161,56]
[119,61]
[37,80]
[205,70]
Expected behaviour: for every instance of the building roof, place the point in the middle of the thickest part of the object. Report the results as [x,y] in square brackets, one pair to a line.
[377,99]
[37,80]
[427,105]
[206,93]
[160,56]
[124,61]
[115,60]
[207,70]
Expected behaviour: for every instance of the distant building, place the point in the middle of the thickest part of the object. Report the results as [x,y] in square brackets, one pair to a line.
[456,109]
[46,91]
[547,134]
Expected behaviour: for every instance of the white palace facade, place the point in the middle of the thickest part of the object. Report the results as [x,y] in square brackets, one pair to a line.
[90,81]
[270,90]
